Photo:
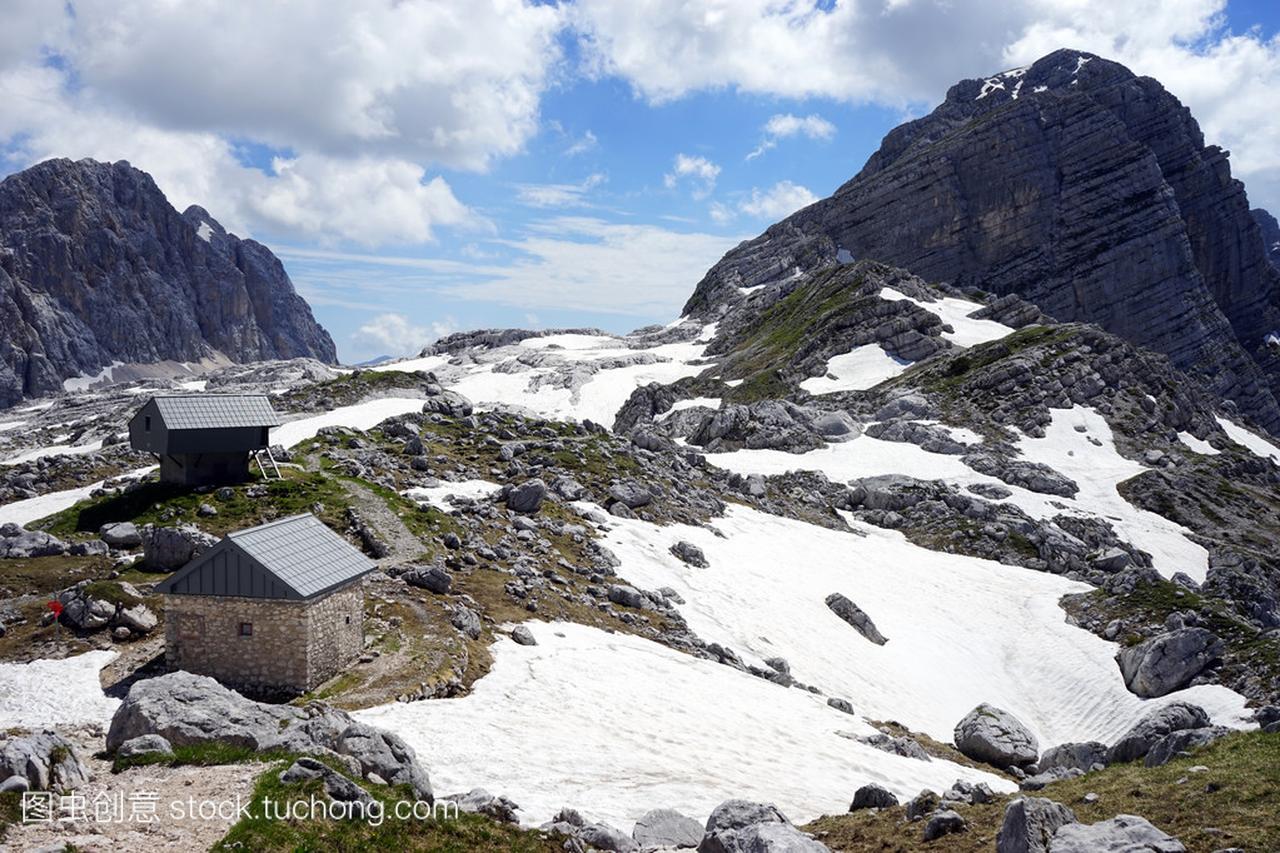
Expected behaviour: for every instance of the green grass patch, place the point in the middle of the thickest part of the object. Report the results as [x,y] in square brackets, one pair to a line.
[169,504]
[441,832]
[1234,803]
[208,754]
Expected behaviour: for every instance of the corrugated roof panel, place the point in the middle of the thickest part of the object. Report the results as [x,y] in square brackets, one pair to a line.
[303,553]
[216,411]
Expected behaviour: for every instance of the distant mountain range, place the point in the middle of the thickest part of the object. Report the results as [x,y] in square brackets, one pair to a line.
[1074,184]
[98,269]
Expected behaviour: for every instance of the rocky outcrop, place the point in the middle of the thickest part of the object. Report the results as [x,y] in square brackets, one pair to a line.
[187,709]
[666,829]
[872,797]
[1270,230]
[1086,756]
[1122,834]
[1174,717]
[1071,183]
[995,736]
[853,614]
[43,761]
[1029,825]
[97,268]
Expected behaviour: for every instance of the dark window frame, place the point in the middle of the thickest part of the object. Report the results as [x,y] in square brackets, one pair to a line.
[246,629]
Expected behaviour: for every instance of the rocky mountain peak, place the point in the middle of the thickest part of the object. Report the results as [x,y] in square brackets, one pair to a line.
[1072,183]
[97,269]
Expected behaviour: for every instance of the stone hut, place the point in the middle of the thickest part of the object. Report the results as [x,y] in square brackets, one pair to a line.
[275,608]
[204,439]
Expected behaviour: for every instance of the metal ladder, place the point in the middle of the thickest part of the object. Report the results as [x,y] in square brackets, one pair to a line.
[257,455]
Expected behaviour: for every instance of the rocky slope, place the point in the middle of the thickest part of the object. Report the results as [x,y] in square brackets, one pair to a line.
[1073,183]
[98,269]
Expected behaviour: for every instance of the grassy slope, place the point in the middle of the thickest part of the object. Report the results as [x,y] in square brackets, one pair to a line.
[1234,803]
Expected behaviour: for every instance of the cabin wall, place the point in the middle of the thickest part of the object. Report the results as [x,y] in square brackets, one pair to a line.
[335,633]
[204,469]
[228,440]
[202,635]
[154,440]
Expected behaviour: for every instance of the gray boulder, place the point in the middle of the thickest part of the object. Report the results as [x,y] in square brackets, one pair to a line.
[480,801]
[47,761]
[15,785]
[435,579]
[872,797]
[1029,825]
[336,785]
[995,736]
[689,553]
[523,636]
[836,426]
[855,616]
[386,755]
[741,826]
[601,836]
[167,549]
[1122,834]
[18,543]
[631,494]
[922,804]
[1178,743]
[944,822]
[627,596]
[1174,717]
[666,828]
[467,621]
[1168,662]
[144,745]
[1085,756]
[527,497]
[121,534]
[449,403]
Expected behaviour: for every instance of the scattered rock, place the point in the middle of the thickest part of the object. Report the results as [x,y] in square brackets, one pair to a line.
[740,826]
[855,616]
[144,745]
[1085,756]
[1029,825]
[944,822]
[872,797]
[997,737]
[689,553]
[527,497]
[1179,743]
[47,761]
[523,636]
[1174,717]
[1168,662]
[666,828]
[167,549]
[122,534]
[1121,834]
[435,579]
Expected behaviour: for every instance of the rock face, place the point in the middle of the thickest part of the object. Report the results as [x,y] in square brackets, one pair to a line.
[997,737]
[1074,756]
[666,828]
[872,797]
[96,267]
[1168,662]
[1071,183]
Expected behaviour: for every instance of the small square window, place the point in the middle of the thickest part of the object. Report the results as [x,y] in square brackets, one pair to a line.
[246,629]
[146,423]
[348,620]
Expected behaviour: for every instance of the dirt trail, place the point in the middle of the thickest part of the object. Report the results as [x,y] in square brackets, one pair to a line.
[391,529]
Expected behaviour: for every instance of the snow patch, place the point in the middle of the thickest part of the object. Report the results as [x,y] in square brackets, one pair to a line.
[205,232]
[46,693]
[955,313]
[1255,444]
[426,364]
[1198,445]
[42,506]
[362,416]
[693,402]
[54,450]
[437,496]
[85,382]
[857,370]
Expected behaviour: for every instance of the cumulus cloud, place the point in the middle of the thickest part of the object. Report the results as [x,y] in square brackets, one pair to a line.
[777,202]
[699,170]
[783,125]
[396,335]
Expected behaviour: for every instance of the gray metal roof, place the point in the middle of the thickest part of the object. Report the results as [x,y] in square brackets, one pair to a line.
[216,411]
[299,558]
[304,553]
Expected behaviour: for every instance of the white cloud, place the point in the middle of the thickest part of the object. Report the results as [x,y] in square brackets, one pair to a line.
[396,335]
[558,195]
[581,145]
[784,125]
[701,171]
[777,202]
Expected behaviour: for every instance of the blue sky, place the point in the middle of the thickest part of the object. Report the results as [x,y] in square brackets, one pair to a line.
[427,167]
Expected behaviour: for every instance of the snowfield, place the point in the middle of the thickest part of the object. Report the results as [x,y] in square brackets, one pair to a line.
[32,509]
[1256,444]
[361,416]
[55,692]
[961,630]
[615,725]
[438,496]
[1096,468]
[955,313]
